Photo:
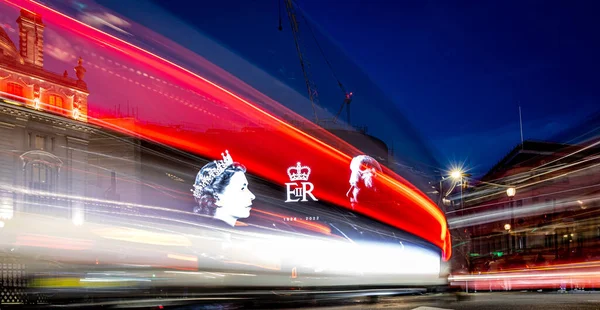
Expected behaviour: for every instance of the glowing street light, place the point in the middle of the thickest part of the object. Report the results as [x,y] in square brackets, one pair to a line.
[456,174]
[511,191]
[507,227]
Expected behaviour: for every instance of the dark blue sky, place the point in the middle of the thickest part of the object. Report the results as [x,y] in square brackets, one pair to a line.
[459,69]
[456,70]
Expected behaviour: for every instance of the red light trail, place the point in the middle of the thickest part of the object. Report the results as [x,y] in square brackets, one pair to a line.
[267,153]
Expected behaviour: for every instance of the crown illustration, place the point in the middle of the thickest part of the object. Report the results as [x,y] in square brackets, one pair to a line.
[298,173]
[204,180]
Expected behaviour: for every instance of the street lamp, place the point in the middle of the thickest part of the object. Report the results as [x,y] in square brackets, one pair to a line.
[456,174]
[511,192]
[507,228]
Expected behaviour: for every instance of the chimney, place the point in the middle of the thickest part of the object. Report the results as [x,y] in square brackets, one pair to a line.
[31,38]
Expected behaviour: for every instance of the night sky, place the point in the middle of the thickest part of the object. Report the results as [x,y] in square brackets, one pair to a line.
[460,69]
[457,71]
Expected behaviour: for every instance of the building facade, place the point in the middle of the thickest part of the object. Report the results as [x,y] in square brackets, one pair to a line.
[552,217]
[43,120]
[53,160]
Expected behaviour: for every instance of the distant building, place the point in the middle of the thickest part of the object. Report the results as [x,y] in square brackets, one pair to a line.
[554,211]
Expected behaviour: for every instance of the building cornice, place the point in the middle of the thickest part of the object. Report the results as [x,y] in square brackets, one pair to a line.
[26,114]
[45,76]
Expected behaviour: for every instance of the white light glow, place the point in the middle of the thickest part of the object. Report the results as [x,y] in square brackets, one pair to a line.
[511,191]
[77,217]
[76,113]
[6,208]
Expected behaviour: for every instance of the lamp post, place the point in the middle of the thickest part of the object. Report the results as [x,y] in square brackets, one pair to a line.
[455,175]
[458,175]
[507,229]
[511,192]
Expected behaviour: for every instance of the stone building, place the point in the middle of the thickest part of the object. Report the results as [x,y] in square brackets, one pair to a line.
[54,159]
[552,217]
[43,121]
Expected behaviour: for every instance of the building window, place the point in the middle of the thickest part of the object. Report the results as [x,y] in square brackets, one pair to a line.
[40,143]
[41,176]
[55,104]
[16,92]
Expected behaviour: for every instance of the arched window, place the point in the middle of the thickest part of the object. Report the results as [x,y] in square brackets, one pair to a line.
[55,104]
[16,92]
[41,175]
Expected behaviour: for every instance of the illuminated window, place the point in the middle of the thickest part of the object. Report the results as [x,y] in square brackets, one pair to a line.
[55,104]
[16,91]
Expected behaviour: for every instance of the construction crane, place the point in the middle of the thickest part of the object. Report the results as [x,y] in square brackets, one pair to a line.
[311,87]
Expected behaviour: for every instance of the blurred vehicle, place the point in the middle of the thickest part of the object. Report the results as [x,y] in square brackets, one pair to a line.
[114,206]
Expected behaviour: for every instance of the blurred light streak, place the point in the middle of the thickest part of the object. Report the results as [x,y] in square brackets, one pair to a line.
[528,173]
[535,196]
[558,277]
[51,242]
[372,212]
[570,154]
[274,267]
[120,178]
[492,216]
[170,67]
[142,236]
[188,258]
[425,228]
[114,280]
[561,167]
[137,235]
[264,251]
[559,176]
[220,274]
[588,274]
[87,199]
[542,181]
